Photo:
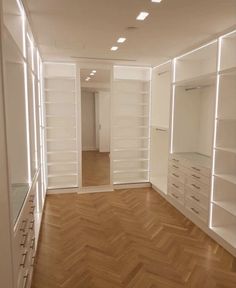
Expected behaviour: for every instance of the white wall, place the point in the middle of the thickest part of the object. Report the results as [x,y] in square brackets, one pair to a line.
[88,120]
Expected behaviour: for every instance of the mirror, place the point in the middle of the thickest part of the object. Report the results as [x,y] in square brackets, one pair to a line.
[95,107]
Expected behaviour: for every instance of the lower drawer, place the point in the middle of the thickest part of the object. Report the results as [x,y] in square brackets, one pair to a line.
[176,194]
[196,210]
[175,184]
[198,186]
[198,199]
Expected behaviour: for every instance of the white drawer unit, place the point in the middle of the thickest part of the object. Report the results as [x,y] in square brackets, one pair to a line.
[189,182]
[176,194]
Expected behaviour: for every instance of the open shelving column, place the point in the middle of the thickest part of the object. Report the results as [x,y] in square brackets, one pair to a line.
[160,111]
[224,192]
[130,125]
[60,96]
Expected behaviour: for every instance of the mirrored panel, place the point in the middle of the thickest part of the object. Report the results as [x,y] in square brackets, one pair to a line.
[95,107]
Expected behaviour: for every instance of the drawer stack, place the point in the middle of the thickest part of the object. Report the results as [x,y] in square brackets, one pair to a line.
[24,243]
[189,182]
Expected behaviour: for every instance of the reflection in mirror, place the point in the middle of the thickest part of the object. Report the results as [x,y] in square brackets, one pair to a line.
[95,106]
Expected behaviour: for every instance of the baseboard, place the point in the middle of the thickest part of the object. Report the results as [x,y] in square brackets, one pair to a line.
[95,189]
[62,191]
[131,186]
[89,149]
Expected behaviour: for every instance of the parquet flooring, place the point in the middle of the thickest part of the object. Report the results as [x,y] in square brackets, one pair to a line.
[96,168]
[126,239]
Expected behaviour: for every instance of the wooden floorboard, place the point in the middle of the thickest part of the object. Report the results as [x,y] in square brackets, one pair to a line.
[128,238]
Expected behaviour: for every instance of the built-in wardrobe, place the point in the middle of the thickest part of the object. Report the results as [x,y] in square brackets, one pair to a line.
[22,177]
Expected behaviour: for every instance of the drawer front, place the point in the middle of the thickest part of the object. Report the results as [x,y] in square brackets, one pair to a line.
[176,159]
[200,170]
[197,198]
[196,210]
[175,184]
[177,174]
[199,177]
[176,195]
[198,187]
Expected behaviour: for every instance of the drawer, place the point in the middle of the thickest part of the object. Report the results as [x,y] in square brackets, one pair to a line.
[175,160]
[176,195]
[175,184]
[24,279]
[199,187]
[199,169]
[197,198]
[196,210]
[199,177]
[177,174]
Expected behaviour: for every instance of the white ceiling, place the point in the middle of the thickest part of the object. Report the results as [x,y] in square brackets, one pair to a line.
[88,28]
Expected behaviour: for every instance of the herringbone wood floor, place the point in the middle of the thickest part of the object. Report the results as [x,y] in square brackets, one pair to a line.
[129,238]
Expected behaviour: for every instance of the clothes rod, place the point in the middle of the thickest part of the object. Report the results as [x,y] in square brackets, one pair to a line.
[162,73]
[197,87]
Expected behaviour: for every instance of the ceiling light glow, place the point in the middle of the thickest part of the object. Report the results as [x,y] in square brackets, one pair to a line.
[121,40]
[114,48]
[156,1]
[142,16]
[91,74]
[94,71]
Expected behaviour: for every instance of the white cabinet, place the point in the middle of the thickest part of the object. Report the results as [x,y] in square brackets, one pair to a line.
[22,148]
[130,125]
[189,182]
[160,114]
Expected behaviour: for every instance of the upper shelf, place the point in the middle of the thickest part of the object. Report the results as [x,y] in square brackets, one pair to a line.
[197,63]
[198,81]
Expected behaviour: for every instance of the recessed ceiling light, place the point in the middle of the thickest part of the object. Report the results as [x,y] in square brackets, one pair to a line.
[114,48]
[87,79]
[121,40]
[94,71]
[142,16]
[91,74]
[156,1]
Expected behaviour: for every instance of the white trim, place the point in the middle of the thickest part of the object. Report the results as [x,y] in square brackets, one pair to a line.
[162,64]
[132,186]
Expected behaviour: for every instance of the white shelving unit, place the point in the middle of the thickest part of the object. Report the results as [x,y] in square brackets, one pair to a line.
[130,132]
[160,133]
[192,130]
[224,192]
[61,125]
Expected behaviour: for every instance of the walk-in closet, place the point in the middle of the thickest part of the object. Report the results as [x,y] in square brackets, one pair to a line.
[117,144]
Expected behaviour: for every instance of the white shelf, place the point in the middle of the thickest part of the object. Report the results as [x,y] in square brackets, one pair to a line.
[130,171]
[61,175]
[230,150]
[134,181]
[61,152]
[60,91]
[227,205]
[61,163]
[130,149]
[227,233]
[130,159]
[131,138]
[227,177]
[160,183]
[202,80]
[59,78]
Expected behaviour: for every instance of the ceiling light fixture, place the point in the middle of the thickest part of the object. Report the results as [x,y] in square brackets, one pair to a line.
[121,40]
[94,71]
[114,48]
[142,16]
[87,79]
[91,74]
[156,1]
